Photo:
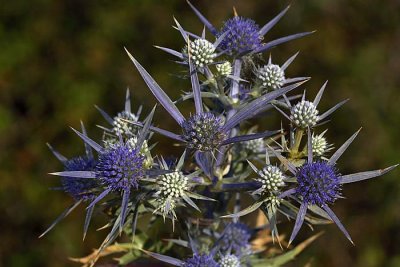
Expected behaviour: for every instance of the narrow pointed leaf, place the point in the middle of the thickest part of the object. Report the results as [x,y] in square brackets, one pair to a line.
[89,141]
[319,94]
[128,101]
[88,149]
[246,211]
[182,31]
[170,51]
[88,218]
[284,161]
[64,214]
[204,162]
[257,105]
[60,157]
[190,202]
[200,197]
[99,197]
[161,96]
[124,208]
[76,174]
[309,146]
[105,115]
[145,130]
[299,221]
[220,39]
[247,137]
[289,61]
[331,110]
[342,149]
[206,23]
[360,176]
[165,258]
[195,87]
[287,193]
[160,131]
[338,223]
[276,42]
[267,27]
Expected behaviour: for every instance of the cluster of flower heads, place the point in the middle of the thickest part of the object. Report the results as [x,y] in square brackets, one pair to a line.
[289,172]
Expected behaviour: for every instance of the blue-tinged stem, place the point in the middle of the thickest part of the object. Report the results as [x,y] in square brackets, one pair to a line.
[239,187]
[234,94]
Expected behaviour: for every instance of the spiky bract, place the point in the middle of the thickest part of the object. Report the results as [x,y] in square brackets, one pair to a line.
[79,188]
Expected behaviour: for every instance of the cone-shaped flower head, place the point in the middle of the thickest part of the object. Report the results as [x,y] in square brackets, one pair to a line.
[79,188]
[254,146]
[229,261]
[243,35]
[173,185]
[202,260]
[202,52]
[121,126]
[318,183]
[203,132]
[236,238]
[319,145]
[224,69]
[271,76]
[271,178]
[304,114]
[120,167]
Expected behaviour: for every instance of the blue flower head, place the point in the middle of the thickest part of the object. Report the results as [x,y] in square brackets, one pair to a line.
[201,260]
[203,131]
[243,35]
[318,183]
[120,167]
[79,188]
[236,238]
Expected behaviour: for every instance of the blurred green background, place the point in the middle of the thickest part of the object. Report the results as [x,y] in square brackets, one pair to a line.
[59,58]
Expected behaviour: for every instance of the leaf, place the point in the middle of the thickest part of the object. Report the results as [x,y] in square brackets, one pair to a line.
[161,96]
[360,176]
[246,211]
[267,27]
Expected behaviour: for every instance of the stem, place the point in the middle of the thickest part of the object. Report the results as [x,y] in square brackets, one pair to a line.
[297,140]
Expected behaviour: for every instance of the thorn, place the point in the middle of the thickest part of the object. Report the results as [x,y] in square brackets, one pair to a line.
[235,12]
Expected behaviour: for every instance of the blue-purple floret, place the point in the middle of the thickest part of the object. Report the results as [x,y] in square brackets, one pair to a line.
[79,188]
[236,238]
[202,260]
[203,131]
[318,183]
[120,168]
[243,35]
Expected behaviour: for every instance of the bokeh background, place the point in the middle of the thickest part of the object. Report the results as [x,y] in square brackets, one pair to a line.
[59,58]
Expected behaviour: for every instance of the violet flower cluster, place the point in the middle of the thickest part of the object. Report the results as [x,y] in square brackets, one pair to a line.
[287,171]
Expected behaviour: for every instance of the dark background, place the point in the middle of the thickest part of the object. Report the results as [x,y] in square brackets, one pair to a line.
[59,58]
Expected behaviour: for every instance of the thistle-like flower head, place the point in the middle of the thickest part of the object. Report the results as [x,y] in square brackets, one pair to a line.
[243,35]
[203,132]
[271,179]
[79,188]
[254,146]
[224,69]
[319,145]
[201,51]
[173,185]
[229,261]
[318,183]
[236,238]
[201,260]
[120,167]
[304,114]
[271,76]
[121,126]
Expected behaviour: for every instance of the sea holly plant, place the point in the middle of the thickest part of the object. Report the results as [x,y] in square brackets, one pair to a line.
[185,210]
